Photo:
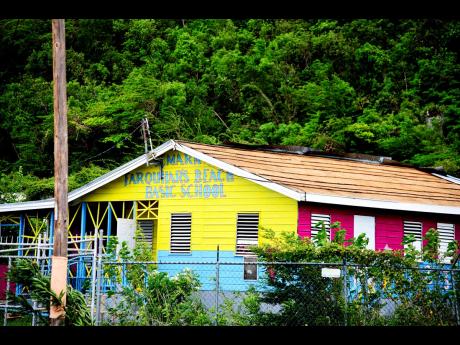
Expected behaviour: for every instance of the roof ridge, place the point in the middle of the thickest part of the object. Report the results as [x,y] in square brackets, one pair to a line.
[308,151]
[305,150]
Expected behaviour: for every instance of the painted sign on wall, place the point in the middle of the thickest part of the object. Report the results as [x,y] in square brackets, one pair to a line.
[182,176]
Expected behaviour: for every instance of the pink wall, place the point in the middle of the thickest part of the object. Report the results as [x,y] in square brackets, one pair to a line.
[3,270]
[345,217]
[388,224]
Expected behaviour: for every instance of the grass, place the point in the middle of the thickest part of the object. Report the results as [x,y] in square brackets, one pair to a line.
[20,320]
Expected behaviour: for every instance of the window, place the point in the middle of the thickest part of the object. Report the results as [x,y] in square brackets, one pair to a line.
[247,229]
[316,225]
[415,229]
[446,235]
[146,227]
[250,268]
[181,224]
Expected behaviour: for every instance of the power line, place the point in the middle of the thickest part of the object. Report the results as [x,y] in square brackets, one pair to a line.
[112,147]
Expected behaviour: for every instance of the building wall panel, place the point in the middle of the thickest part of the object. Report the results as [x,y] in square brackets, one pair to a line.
[389,230]
[213,196]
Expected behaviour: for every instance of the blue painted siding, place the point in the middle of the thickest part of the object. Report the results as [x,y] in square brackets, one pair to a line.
[231,276]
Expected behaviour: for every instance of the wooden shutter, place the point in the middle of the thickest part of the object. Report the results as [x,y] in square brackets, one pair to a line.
[247,232]
[315,227]
[147,230]
[414,228]
[181,225]
[446,233]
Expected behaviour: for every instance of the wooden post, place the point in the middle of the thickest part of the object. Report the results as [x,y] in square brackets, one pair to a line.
[61,214]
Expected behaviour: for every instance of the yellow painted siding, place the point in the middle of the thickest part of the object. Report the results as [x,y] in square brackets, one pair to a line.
[213,217]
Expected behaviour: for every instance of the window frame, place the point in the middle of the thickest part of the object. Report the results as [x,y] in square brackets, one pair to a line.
[175,250]
[418,241]
[314,228]
[444,241]
[246,253]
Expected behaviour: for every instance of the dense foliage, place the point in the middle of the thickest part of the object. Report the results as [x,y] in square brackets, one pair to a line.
[378,86]
[143,296]
[380,288]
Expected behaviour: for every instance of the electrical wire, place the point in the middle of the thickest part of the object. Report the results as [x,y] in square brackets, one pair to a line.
[112,147]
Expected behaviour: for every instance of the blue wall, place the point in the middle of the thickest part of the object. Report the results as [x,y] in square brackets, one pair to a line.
[231,276]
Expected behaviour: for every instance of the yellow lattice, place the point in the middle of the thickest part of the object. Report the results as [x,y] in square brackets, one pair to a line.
[9,219]
[147,209]
[38,225]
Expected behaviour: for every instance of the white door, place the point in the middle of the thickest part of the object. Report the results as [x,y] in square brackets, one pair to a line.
[126,230]
[366,225]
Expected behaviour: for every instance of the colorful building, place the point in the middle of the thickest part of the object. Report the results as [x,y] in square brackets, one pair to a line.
[190,199]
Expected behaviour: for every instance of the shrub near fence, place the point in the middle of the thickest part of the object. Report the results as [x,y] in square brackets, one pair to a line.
[374,288]
[294,294]
[379,287]
[371,288]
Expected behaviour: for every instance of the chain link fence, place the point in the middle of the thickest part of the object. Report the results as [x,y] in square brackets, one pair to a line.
[275,293]
[243,291]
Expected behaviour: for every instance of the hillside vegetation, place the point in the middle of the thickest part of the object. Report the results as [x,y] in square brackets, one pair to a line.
[386,87]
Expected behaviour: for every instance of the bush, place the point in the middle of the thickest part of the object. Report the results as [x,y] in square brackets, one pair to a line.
[38,286]
[150,298]
[380,287]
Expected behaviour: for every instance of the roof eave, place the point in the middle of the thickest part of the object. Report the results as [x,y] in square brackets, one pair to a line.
[124,169]
[27,205]
[95,184]
[293,194]
[381,204]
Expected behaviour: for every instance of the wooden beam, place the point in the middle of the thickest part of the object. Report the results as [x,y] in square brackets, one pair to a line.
[59,259]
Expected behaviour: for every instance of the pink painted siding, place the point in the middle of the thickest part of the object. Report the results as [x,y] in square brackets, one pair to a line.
[389,225]
[388,232]
[303,224]
[343,216]
[346,220]
[3,271]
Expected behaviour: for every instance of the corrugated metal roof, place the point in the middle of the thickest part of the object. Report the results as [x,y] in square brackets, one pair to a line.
[337,177]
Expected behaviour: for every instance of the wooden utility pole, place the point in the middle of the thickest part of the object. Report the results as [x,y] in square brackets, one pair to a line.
[61,214]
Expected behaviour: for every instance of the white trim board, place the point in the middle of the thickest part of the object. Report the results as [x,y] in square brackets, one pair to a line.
[95,184]
[389,205]
[27,205]
[448,178]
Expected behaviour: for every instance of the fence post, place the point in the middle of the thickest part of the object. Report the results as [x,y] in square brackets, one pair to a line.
[217,287]
[345,293]
[99,277]
[124,279]
[366,297]
[455,298]
[93,275]
[5,313]
[37,257]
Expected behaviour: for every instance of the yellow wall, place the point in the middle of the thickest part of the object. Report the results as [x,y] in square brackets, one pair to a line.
[213,217]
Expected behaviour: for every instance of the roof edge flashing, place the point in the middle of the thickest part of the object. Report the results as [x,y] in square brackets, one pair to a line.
[380,204]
